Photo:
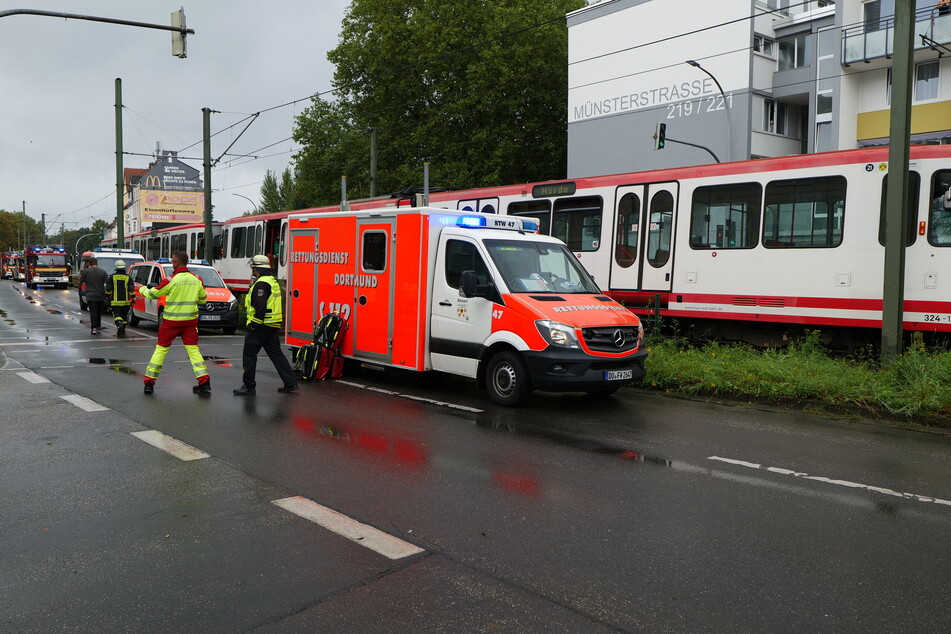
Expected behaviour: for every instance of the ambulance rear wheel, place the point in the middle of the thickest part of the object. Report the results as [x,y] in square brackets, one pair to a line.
[507,379]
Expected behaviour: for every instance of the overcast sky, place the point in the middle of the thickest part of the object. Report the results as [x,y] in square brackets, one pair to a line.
[57,96]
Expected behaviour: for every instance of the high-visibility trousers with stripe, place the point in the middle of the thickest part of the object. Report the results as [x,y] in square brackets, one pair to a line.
[168,332]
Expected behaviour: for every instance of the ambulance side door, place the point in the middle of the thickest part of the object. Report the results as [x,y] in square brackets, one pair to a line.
[460,325]
[373,301]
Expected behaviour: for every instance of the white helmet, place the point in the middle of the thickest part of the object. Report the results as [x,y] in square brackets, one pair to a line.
[260,262]
[120,264]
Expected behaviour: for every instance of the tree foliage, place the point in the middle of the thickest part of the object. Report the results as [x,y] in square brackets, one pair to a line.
[477,89]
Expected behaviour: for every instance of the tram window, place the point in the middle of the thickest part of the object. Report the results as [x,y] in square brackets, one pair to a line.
[577,222]
[224,243]
[237,242]
[660,228]
[911,222]
[804,213]
[258,240]
[193,247]
[628,224]
[540,209]
[726,216]
[283,259]
[481,205]
[939,219]
[249,243]
[374,251]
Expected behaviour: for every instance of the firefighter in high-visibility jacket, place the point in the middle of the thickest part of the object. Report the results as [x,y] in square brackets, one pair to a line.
[262,305]
[183,291]
[119,291]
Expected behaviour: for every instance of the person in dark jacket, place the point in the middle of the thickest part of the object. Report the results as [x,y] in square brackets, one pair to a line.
[93,282]
[120,290]
[265,316]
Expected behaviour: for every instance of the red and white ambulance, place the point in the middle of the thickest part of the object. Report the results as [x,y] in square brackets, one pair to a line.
[476,295]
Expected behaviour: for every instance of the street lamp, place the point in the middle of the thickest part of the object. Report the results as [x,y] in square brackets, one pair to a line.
[729,112]
[249,200]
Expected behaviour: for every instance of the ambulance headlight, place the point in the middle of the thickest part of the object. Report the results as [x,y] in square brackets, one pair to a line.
[557,334]
[232,304]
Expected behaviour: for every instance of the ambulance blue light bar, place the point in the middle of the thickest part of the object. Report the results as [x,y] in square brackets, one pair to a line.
[473,222]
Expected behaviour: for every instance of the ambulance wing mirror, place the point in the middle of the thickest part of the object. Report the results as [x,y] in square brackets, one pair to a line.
[468,284]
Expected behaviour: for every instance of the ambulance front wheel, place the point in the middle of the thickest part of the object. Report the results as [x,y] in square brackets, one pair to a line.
[507,379]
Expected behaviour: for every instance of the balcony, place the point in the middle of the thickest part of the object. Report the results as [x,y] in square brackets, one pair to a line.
[861,43]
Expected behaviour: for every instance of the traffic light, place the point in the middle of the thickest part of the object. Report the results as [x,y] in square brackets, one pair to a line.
[178,37]
[660,136]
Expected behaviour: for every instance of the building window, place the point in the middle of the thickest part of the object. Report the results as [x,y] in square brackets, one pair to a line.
[926,81]
[824,103]
[824,137]
[774,116]
[763,45]
[792,53]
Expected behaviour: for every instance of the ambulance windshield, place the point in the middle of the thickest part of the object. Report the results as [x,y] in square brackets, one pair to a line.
[539,267]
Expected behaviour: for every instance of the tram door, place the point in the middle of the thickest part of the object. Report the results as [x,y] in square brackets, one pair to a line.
[643,246]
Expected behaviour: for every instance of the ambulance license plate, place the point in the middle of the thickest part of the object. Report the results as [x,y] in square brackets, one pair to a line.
[618,375]
[209,317]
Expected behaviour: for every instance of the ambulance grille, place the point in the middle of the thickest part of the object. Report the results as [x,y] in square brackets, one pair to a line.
[606,339]
[215,307]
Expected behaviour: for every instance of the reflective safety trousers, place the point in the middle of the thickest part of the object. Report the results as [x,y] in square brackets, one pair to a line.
[168,331]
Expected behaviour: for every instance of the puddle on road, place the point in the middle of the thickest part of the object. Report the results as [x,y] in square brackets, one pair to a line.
[222,361]
[115,365]
[575,442]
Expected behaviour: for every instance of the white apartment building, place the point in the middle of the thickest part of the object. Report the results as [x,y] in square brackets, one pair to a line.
[744,79]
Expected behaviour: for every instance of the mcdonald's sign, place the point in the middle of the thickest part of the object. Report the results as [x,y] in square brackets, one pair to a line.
[152,181]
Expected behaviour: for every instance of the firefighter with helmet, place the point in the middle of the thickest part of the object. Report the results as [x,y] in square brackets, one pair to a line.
[119,292]
[262,305]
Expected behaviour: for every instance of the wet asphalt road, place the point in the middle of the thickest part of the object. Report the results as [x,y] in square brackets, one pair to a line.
[632,513]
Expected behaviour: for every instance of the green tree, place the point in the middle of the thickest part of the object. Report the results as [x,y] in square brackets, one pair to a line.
[270,196]
[12,230]
[478,89]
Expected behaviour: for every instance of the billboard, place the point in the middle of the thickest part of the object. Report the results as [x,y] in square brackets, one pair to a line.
[171,206]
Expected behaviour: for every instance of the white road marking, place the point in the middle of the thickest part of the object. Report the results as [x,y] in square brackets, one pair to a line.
[170,445]
[464,408]
[33,377]
[84,403]
[376,540]
[55,367]
[842,483]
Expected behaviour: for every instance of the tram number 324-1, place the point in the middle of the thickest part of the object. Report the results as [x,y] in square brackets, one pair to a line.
[938,318]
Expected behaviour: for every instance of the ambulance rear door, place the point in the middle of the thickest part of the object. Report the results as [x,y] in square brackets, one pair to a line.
[302,314]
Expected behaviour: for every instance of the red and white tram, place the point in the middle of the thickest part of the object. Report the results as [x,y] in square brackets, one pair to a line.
[160,243]
[730,248]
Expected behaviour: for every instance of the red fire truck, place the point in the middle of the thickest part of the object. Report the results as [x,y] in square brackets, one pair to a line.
[477,295]
[8,264]
[46,265]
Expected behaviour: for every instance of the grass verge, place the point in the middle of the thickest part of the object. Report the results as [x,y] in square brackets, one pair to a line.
[915,388]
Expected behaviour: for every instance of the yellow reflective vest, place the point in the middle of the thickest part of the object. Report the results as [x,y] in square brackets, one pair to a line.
[273,313]
[183,291]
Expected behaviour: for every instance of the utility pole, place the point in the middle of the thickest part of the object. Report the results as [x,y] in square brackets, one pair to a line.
[372,162]
[120,199]
[896,211]
[43,227]
[24,226]
[206,143]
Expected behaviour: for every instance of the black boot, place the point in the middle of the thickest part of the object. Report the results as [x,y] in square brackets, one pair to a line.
[202,388]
